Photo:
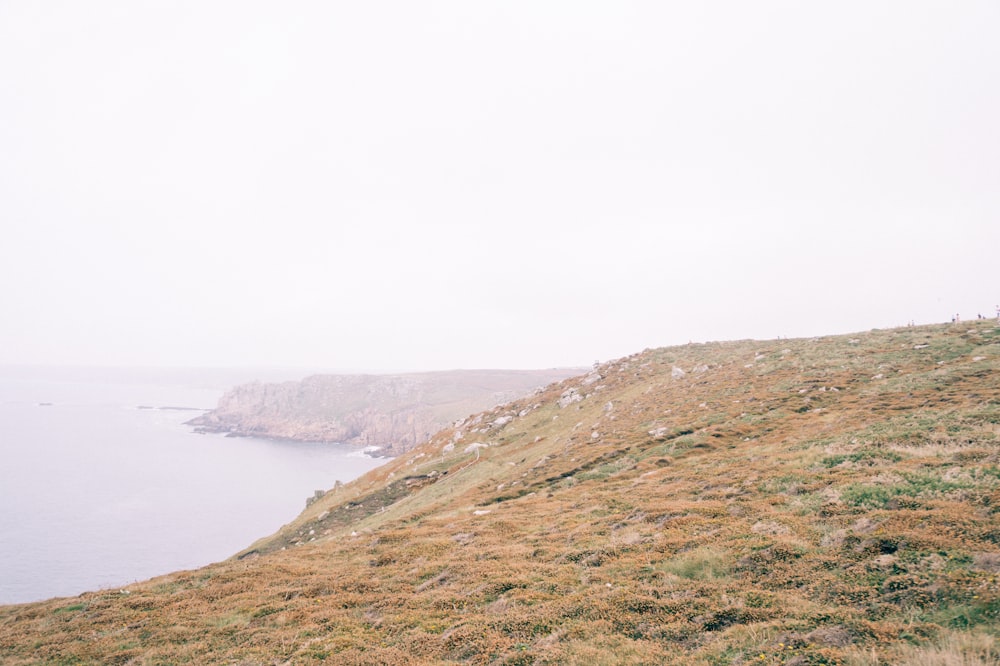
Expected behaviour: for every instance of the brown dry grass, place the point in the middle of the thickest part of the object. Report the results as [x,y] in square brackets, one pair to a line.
[786,502]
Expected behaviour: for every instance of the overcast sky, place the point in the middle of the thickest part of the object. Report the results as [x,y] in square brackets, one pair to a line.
[389,185]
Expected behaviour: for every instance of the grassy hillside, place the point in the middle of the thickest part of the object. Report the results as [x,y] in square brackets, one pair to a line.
[822,501]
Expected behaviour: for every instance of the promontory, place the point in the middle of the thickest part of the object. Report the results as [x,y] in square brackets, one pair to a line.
[391,412]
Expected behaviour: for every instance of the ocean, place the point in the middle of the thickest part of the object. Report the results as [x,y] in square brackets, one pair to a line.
[102,484]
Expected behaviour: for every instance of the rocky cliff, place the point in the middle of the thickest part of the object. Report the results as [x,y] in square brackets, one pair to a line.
[392,412]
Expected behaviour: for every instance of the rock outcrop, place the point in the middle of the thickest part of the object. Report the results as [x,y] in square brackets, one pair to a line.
[391,412]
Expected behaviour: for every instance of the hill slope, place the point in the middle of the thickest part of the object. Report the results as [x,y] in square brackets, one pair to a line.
[820,501]
[392,412]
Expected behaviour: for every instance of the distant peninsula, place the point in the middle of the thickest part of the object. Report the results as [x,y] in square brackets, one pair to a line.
[391,412]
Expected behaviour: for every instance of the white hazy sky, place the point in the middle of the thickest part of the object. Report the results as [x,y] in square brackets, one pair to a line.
[427,185]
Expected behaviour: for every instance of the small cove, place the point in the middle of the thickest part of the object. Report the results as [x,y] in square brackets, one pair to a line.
[101,484]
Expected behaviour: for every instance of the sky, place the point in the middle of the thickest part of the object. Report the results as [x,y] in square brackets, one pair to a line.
[422,185]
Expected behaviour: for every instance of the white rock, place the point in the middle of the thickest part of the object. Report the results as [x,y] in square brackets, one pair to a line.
[475,446]
[568,397]
[677,373]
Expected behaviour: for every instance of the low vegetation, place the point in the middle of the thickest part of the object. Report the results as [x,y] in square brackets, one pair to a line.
[818,501]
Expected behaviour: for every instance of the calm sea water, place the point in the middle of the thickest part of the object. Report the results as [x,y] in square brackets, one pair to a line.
[97,493]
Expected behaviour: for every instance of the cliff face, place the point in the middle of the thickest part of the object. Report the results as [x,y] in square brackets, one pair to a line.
[393,412]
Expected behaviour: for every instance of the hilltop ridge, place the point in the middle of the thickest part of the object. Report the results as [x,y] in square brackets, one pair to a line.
[812,501]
